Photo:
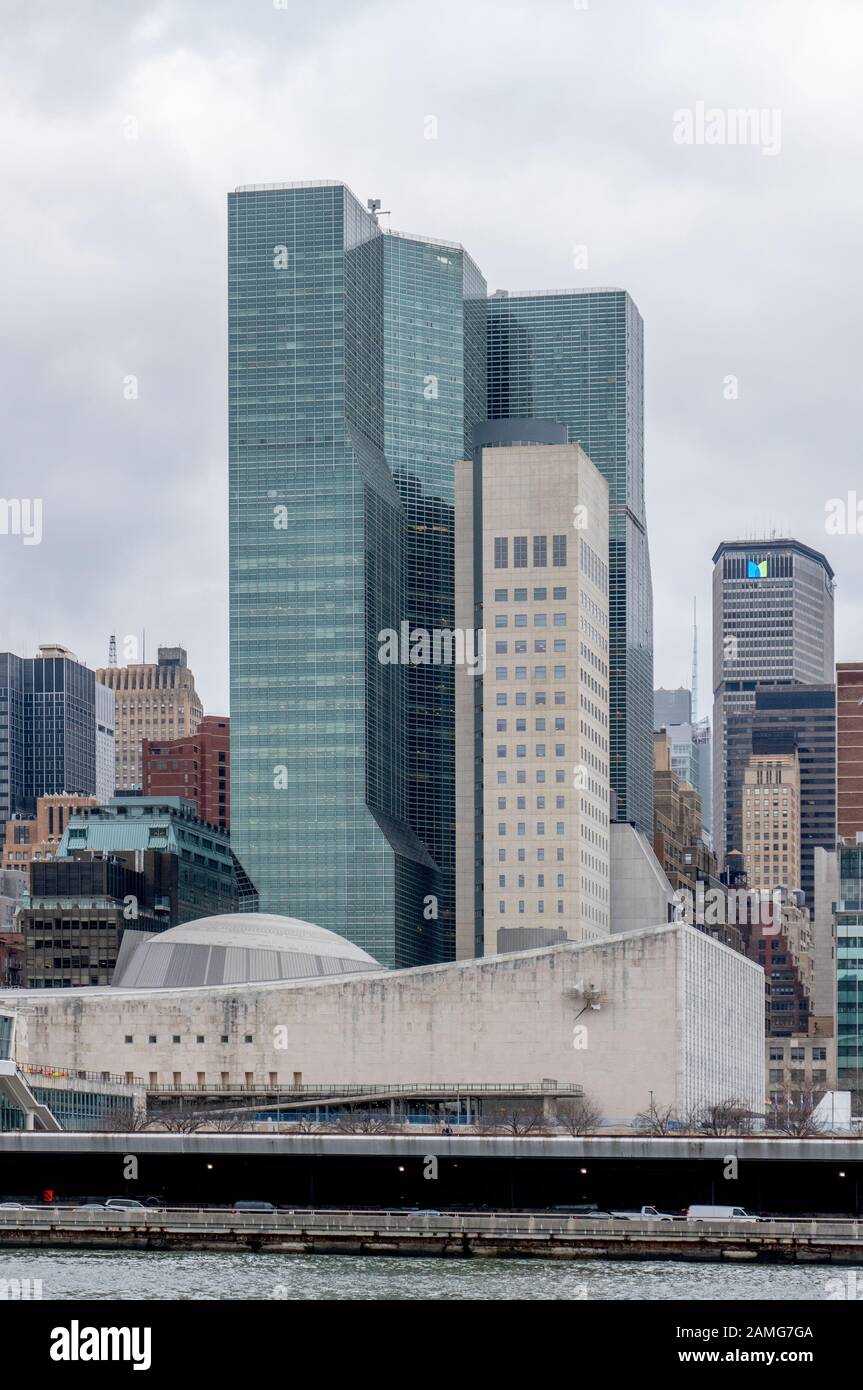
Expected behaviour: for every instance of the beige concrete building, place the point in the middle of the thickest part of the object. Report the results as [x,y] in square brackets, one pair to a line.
[664,1013]
[29,838]
[532,731]
[771,820]
[800,1065]
[153,700]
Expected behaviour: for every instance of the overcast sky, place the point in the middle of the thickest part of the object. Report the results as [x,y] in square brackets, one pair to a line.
[555,130]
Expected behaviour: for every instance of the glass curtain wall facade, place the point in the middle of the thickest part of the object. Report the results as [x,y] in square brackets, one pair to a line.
[772,621]
[47,731]
[783,718]
[849,969]
[577,357]
[434,394]
[352,364]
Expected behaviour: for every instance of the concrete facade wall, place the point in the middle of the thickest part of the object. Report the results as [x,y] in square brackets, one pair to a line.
[681,1016]
[542,741]
[640,890]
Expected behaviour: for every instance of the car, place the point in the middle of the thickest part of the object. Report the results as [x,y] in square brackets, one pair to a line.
[124,1204]
[587,1209]
[253,1206]
[643,1214]
[718,1213]
[91,1206]
[12,1206]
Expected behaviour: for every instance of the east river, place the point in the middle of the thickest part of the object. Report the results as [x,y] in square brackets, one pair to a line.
[98,1275]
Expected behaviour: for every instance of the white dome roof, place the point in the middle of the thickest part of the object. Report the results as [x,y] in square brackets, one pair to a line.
[264,931]
[235,948]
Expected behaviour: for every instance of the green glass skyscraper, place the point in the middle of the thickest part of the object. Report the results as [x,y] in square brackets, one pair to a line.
[577,357]
[356,375]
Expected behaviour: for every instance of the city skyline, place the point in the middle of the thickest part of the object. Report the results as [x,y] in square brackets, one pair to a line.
[666,222]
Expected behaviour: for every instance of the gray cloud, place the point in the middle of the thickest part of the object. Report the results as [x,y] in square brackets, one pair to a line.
[554,131]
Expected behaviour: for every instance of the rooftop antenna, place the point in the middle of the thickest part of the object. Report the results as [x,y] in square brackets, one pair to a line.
[694,660]
[112,650]
[374,207]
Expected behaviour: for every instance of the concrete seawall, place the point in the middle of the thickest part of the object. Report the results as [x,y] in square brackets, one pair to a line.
[448,1235]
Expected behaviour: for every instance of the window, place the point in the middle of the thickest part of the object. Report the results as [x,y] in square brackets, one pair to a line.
[519,595]
[501,552]
[558,550]
[501,595]
[558,593]
[540,595]
[540,550]
[519,552]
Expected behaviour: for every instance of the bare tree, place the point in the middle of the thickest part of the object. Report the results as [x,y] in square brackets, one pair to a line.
[227,1122]
[512,1117]
[658,1120]
[356,1121]
[724,1117]
[183,1121]
[126,1122]
[793,1112]
[579,1115]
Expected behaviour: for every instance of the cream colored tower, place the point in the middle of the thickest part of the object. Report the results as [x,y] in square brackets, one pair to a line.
[532,732]
[157,701]
[771,820]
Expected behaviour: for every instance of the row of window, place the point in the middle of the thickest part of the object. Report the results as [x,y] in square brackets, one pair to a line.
[177,1038]
[519,646]
[501,620]
[520,551]
[520,595]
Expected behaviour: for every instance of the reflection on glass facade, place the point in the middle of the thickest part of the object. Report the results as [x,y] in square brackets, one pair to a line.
[782,718]
[47,730]
[434,393]
[352,365]
[73,1110]
[772,621]
[577,357]
[849,969]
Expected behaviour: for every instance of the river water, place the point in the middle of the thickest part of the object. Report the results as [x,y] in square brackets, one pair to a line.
[155,1275]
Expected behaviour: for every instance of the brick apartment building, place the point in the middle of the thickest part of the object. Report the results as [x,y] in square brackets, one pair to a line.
[849,749]
[196,767]
[37,837]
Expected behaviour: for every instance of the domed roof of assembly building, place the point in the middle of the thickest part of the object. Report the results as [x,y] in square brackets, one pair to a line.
[235,948]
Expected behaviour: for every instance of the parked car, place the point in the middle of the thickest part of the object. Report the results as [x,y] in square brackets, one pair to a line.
[716,1213]
[587,1209]
[644,1214]
[253,1206]
[124,1204]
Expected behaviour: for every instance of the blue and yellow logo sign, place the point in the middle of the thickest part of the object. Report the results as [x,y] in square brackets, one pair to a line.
[756,569]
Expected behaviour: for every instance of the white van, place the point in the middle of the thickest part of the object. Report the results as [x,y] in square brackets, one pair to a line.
[718,1214]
